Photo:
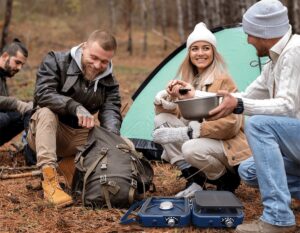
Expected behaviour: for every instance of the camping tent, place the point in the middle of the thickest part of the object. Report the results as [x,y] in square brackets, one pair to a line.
[243,64]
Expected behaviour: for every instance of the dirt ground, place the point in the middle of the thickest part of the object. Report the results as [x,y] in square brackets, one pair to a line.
[22,208]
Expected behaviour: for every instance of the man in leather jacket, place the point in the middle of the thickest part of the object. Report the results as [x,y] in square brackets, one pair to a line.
[12,111]
[70,88]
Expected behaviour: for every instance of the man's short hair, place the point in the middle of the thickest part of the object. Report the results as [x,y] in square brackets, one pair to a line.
[106,40]
[14,47]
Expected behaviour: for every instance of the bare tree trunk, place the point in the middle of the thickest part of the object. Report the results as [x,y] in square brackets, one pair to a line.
[145,25]
[8,14]
[202,12]
[291,6]
[112,8]
[180,21]
[218,13]
[164,22]
[128,17]
[190,14]
[296,17]
[225,13]
[153,13]
[210,6]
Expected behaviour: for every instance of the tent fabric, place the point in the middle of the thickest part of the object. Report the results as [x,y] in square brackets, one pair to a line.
[243,65]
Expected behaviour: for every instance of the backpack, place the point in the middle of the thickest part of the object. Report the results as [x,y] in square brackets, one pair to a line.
[109,172]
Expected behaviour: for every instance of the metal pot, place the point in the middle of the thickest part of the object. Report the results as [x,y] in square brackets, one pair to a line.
[197,108]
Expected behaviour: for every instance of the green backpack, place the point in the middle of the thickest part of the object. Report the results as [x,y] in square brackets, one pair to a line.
[110,172]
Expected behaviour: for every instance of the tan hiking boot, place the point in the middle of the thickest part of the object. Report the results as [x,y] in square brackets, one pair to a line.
[263,227]
[52,190]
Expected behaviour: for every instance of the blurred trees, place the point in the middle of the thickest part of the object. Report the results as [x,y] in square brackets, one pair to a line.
[8,14]
[147,16]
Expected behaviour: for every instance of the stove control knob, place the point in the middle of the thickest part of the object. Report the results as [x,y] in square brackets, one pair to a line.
[228,222]
[171,222]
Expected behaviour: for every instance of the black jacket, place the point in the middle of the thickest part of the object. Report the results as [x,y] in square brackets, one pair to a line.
[3,85]
[60,86]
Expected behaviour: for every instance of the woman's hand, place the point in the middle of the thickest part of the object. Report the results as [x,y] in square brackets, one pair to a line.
[174,87]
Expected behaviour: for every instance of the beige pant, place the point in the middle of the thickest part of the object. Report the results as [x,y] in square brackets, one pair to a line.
[49,137]
[203,153]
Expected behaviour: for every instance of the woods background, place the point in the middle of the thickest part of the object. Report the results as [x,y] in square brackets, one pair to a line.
[146,31]
[148,16]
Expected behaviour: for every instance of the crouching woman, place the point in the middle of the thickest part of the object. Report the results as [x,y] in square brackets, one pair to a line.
[204,151]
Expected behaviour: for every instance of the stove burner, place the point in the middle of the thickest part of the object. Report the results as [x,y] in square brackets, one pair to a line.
[166,205]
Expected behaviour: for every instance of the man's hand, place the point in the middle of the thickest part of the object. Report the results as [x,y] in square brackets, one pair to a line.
[175,85]
[23,107]
[227,106]
[85,119]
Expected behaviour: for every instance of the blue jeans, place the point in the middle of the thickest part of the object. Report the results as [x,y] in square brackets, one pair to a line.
[247,172]
[275,143]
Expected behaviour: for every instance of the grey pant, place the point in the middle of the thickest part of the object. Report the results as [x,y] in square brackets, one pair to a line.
[203,153]
[49,137]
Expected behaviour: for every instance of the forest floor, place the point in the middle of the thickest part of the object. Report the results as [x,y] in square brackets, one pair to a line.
[22,208]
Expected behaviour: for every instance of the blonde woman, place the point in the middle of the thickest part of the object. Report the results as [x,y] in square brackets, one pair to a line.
[211,150]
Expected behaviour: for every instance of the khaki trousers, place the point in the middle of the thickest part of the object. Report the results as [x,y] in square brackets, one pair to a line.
[203,153]
[50,138]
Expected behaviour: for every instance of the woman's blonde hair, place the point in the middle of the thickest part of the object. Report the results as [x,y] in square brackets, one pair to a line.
[188,71]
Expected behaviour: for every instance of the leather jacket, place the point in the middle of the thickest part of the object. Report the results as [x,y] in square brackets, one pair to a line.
[3,85]
[61,87]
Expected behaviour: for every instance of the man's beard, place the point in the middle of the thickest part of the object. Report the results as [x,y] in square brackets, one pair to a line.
[9,71]
[89,73]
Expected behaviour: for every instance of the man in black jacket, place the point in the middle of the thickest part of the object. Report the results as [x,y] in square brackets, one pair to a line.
[12,111]
[70,88]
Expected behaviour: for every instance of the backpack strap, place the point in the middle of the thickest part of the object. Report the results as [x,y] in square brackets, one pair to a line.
[103,153]
[132,190]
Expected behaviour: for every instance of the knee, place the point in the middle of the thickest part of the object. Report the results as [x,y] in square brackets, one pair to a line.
[188,152]
[45,115]
[254,123]
[168,118]
[247,170]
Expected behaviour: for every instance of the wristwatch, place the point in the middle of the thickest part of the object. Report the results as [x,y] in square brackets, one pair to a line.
[240,107]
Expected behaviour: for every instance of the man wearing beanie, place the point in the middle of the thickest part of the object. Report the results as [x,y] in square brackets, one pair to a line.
[273,130]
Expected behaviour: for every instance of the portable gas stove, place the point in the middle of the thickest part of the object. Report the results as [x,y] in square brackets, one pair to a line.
[160,212]
[206,209]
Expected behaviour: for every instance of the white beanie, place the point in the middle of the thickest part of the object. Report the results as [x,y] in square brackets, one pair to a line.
[201,33]
[266,19]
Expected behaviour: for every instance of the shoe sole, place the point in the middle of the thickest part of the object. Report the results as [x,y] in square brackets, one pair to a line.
[65,204]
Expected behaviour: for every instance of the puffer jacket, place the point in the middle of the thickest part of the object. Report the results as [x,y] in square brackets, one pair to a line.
[60,86]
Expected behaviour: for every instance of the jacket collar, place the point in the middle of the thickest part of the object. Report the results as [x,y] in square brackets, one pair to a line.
[277,49]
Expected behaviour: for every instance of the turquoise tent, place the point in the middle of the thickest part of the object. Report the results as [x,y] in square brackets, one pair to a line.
[243,64]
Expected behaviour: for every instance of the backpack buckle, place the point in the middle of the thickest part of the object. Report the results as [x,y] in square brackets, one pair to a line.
[134,183]
[103,179]
[103,151]
[103,166]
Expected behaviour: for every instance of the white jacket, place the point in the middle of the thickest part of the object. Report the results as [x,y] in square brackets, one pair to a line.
[276,91]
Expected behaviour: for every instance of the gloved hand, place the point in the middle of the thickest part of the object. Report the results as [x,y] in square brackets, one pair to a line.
[23,107]
[163,98]
[167,135]
[190,191]
[85,118]
[170,135]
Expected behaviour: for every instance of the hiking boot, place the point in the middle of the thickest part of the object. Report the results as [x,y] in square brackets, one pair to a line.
[263,227]
[227,182]
[189,191]
[52,190]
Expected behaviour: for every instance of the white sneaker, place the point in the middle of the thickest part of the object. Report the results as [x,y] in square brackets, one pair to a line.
[189,191]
